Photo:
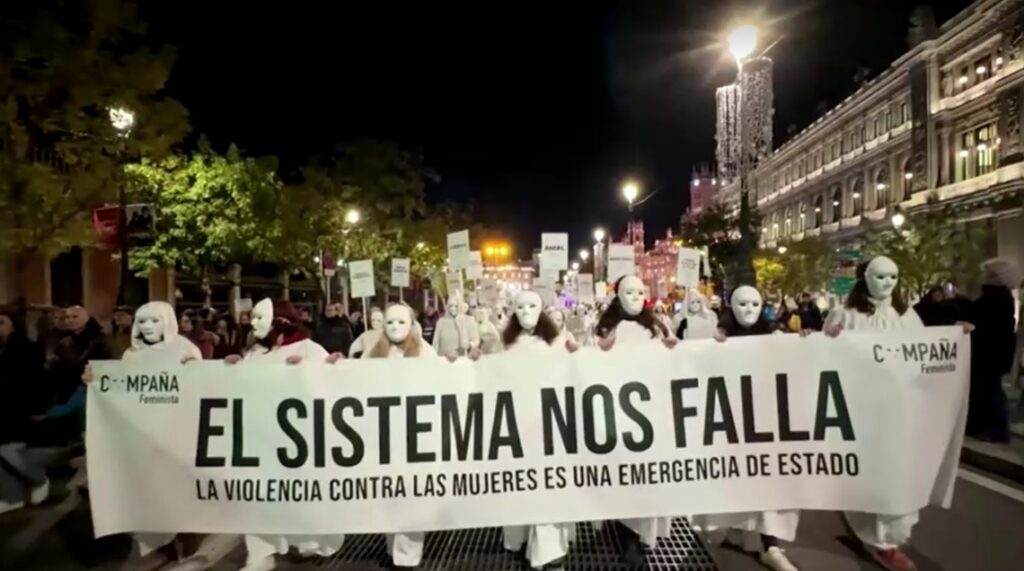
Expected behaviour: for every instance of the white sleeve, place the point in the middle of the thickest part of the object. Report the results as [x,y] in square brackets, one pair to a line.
[311,350]
[473,334]
[357,345]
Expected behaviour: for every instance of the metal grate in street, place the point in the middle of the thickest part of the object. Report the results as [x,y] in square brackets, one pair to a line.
[481,550]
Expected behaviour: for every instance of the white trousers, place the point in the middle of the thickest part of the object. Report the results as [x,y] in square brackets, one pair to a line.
[406,549]
[263,546]
[649,529]
[882,531]
[150,542]
[544,542]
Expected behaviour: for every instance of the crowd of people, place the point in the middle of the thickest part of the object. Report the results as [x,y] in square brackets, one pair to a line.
[43,369]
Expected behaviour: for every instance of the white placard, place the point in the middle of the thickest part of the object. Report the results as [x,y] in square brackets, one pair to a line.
[556,246]
[475,269]
[810,423]
[688,268]
[458,250]
[453,281]
[585,288]
[601,291]
[243,304]
[621,261]
[489,291]
[399,272]
[360,273]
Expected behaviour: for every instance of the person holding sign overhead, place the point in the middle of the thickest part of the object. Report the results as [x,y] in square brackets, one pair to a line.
[278,336]
[627,321]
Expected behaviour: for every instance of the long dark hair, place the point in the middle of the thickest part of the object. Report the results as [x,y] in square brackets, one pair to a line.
[732,328]
[860,297]
[545,329]
[616,314]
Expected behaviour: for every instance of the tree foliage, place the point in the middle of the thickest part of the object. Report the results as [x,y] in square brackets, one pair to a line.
[63,65]
[934,247]
[716,229]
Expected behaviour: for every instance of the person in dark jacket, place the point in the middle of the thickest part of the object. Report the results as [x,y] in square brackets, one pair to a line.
[84,342]
[21,373]
[334,333]
[934,309]
[429,323]
[993,343]
[809,314]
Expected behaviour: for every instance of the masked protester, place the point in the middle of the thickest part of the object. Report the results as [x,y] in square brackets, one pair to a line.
[369,337]
[875,304]
[746,318]
[399,340]
[628,321]
[280,337]
[530,330]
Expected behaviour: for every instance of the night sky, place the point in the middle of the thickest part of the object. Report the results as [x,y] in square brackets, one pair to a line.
[533,111]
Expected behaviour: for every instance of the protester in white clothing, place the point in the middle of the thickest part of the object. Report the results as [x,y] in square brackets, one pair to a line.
[400,341]
[873,304]
[745,318]
[697,320]
[457,333]
[530,329]
[627,321]
[369,337]
[564,335]
[280,338]
[490,337]
[155,339]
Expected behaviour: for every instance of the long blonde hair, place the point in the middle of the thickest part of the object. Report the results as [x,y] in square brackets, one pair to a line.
[410,347]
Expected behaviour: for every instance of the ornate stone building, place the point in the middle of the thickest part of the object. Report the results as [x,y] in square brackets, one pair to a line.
[943,120]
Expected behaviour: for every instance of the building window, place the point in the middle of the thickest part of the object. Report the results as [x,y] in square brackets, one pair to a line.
[903,113]
[787,228]
[837,203]
[906,182]
[819,214]
[882,185]
[986,147]
[983,68]
[801,221]
[876,130]
[888,120]
[857,197]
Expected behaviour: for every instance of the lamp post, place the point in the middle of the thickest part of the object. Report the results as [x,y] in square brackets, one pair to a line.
[584,256]
[630,190]
[898,219]
[742,43]
[122,119]
[599,235]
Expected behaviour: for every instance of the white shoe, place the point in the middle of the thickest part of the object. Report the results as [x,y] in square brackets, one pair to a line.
[775,559]
[39,494]
[9,507]
[266,564]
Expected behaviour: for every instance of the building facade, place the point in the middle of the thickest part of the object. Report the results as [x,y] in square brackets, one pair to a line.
[704,186]
[942,122]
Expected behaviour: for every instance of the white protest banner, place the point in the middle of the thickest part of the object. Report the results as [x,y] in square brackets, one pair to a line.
[361,278]
[621,261]
[475,268]
[399,272]
[488,291]
[868,422]
[601,291]
[243,304]
[458,250]
[585,287]
[453,281]
[688,268]
[557,247]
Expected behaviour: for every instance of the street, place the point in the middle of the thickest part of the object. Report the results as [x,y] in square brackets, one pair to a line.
[980,533]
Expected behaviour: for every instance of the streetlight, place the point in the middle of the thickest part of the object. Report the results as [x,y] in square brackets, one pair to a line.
[599,235]
[782,250]
[743,41]
[630,190]
[352,216]
[575,266]
[584,254]
[122,119]
[598,253]
[898,219]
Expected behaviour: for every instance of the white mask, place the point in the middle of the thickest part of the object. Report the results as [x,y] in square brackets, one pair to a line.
[376,320]
[631,295]
[154,323]
[746,305]
[558,318]
[397,323]
[694,307]
[454,305]
[528,306]
[463,308]
[262,318]
[481,315]
[881,276]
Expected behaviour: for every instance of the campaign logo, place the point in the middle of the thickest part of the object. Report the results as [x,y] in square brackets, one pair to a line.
[159,388]
[934,357]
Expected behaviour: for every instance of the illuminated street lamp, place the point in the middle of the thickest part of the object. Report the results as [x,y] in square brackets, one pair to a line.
[352,216]
[584,254]
[782,250]
[122,119]
[898,219]
[575,266]
[630,190]
[599,235]
[743,41]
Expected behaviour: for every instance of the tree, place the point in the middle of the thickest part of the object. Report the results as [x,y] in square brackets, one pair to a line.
[806,266]
[213,210]
[716,229]
[770,272]
[63,65]
[933,247]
